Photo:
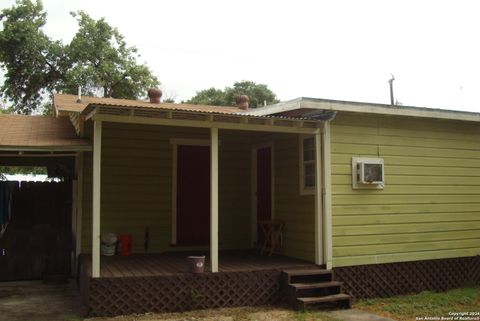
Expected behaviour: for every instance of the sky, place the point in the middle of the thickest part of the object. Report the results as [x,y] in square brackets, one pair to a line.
[345,50]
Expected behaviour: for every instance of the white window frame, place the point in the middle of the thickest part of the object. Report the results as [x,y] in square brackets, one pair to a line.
[304,190]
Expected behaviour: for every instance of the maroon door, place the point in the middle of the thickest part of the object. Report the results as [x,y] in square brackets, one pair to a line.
[193,195]
[264,188]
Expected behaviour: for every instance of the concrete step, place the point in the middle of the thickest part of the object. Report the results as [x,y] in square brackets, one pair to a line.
[341,299]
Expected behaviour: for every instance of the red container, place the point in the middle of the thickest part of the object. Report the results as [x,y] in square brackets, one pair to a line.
[125,244]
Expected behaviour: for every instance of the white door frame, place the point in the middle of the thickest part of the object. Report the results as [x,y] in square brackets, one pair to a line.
[175,142]
[253,189]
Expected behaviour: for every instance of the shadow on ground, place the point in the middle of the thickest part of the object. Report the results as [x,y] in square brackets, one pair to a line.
[37,301]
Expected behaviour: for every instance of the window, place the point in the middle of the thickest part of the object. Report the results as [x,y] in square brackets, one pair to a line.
[307,165]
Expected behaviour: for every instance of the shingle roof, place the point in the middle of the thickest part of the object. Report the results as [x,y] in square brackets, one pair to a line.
[69,103]
[39,133]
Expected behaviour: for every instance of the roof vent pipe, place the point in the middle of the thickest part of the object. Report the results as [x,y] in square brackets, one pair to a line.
[79,98]
[155,94]
[242,102]
[390,81]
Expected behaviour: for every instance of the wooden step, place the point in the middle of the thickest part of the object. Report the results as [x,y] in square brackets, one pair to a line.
[307,272]
[307,276]
[340,298]
[302,286]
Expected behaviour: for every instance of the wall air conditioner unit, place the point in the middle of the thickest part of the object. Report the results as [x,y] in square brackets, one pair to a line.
[367,173]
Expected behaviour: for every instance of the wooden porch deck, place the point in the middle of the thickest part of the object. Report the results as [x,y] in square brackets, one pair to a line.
[174,263]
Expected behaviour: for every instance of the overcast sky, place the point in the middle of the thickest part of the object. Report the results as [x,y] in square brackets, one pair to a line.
[342,50]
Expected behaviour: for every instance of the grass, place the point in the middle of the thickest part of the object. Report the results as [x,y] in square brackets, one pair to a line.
[425,304]
[311,315]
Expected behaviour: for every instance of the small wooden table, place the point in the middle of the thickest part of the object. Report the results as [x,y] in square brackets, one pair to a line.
[273,235]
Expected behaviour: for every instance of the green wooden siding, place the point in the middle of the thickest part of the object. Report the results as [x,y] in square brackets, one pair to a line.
[296,210]
[430,207]
[137,178]
[137,185]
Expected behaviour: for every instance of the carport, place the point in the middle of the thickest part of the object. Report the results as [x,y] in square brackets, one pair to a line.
[40,226]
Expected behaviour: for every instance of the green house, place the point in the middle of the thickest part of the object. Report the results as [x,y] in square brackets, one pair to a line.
[386,197]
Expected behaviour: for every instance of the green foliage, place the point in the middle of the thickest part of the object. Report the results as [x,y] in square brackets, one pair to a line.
[257,93]
[97,59]
[12,170]
[102,62]
[211,96]
[32,61]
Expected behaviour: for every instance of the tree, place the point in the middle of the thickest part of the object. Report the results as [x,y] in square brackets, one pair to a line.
[97,59]
[211,96]
[257,93]
[32,60]
[102,62]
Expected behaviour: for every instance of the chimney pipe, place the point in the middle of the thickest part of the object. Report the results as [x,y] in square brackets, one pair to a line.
[79,98]
[242,102]
[155,94]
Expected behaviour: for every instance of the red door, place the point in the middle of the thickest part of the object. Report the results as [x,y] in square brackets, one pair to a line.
[264,188]
[193,195]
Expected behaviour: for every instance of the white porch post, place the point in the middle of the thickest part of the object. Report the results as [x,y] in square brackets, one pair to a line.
[327,196]
[318,200]
[97,151]
[214,199]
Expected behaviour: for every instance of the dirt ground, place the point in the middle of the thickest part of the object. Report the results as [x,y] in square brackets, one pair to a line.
[37,301]
[265,313]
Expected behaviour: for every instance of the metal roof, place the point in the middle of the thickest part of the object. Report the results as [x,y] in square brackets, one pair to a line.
[69,103]
[308,104]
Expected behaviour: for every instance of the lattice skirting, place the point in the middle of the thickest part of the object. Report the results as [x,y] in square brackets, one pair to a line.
[173,293]
[384,280]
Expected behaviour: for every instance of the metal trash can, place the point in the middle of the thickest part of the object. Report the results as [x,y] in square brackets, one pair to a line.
[196,264]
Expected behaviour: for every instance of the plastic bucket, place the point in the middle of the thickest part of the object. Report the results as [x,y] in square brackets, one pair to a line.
[196,264]
[108,244]
[125,244]
[107,250]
